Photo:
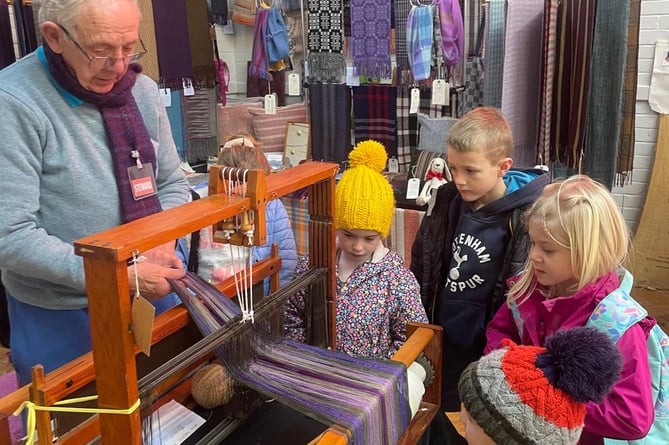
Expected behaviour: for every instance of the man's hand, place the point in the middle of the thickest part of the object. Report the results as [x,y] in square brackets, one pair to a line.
[157,265]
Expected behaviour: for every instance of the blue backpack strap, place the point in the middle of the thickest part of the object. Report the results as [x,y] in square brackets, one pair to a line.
[517,318]
[618,311]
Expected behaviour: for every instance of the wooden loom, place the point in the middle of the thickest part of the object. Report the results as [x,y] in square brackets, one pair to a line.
[105,261]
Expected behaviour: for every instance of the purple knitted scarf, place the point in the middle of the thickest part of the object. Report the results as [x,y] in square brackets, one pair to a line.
[125,129]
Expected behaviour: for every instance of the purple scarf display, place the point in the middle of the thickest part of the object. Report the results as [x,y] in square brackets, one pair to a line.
[125,129]
[370,42]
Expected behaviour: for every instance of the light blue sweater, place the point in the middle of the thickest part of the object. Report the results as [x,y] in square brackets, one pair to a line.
[58,184]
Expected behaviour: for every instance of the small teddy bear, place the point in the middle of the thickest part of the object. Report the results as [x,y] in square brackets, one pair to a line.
[435,176]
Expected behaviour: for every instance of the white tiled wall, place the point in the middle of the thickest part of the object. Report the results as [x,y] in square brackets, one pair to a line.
[654,25]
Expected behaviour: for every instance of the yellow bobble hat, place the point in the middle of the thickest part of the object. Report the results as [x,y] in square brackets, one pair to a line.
[364,199]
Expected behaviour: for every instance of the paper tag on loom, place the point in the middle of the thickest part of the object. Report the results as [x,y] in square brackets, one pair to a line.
[413,187]
[440,92]
[143,314]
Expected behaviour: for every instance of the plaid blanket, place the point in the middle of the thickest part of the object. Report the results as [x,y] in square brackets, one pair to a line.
[403,232]
[374,111]
[298,213]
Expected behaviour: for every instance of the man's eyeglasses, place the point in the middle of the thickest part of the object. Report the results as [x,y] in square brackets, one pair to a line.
[100,62]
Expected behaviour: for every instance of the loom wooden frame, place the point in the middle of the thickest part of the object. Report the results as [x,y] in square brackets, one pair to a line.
[105,257]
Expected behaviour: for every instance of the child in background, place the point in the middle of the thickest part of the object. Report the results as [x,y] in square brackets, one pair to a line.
[473,240]
[579,240]
[537,395]
[376,294]
[218,261]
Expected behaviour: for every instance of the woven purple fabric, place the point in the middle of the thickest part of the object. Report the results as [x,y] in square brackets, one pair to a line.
[370,45]
[125,129]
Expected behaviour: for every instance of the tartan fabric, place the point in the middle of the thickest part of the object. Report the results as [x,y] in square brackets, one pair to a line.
[625,160]
[405,137]
[403,231]
[375,115]
[298,213]
[494,53]
[330,118]
[407,124]
[605,92]
[575,31]
[522,70]
[370,38]
[402,8]
[419,41]
[548,53]
[472,95]
[325,40]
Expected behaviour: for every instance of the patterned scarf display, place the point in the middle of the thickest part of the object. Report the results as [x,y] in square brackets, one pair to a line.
[452,31]
[199,39]
[419,41]
[125,129]
[374,112]
[626,150]
[370,38]
[200,124]
[522,68]
[605,92]
[219,11]
[259,66]
[174,58]
[402,8]
[548,54]
[325,41]
[575,34]
[494,53]
[330,117]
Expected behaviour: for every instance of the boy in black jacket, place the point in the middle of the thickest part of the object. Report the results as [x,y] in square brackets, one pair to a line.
[474,239]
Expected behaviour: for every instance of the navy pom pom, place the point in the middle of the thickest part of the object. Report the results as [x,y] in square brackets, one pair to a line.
[581,361]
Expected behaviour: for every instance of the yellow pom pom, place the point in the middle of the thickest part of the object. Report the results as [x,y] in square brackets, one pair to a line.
[369,153]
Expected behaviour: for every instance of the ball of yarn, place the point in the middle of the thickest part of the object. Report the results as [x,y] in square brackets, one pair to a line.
[212,386]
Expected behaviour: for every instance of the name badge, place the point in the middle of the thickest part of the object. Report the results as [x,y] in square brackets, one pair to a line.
[142,181]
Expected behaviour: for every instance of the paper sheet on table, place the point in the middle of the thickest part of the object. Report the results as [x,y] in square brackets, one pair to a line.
[173,423]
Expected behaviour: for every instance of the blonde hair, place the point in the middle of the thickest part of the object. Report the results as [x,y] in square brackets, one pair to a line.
[245,153]
[580,214]
[483,130]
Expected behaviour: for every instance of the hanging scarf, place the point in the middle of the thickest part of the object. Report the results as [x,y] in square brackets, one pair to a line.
[326,41]
[370,42]
[125,129]
[419,41]
[452,31]
[259,66]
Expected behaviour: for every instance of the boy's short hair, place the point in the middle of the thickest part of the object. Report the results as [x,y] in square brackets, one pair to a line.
[483,130]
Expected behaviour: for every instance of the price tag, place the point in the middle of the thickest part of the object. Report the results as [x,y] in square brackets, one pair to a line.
[293,84]
[393,165]
[270,103]
[143,314]
[166,97]
[189,90]
[413,188]
[415,101]
[439,92]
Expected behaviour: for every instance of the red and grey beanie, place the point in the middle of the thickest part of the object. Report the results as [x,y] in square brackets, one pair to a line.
[523,395]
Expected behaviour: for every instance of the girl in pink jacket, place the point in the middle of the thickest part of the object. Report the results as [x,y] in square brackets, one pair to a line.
[579,240]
